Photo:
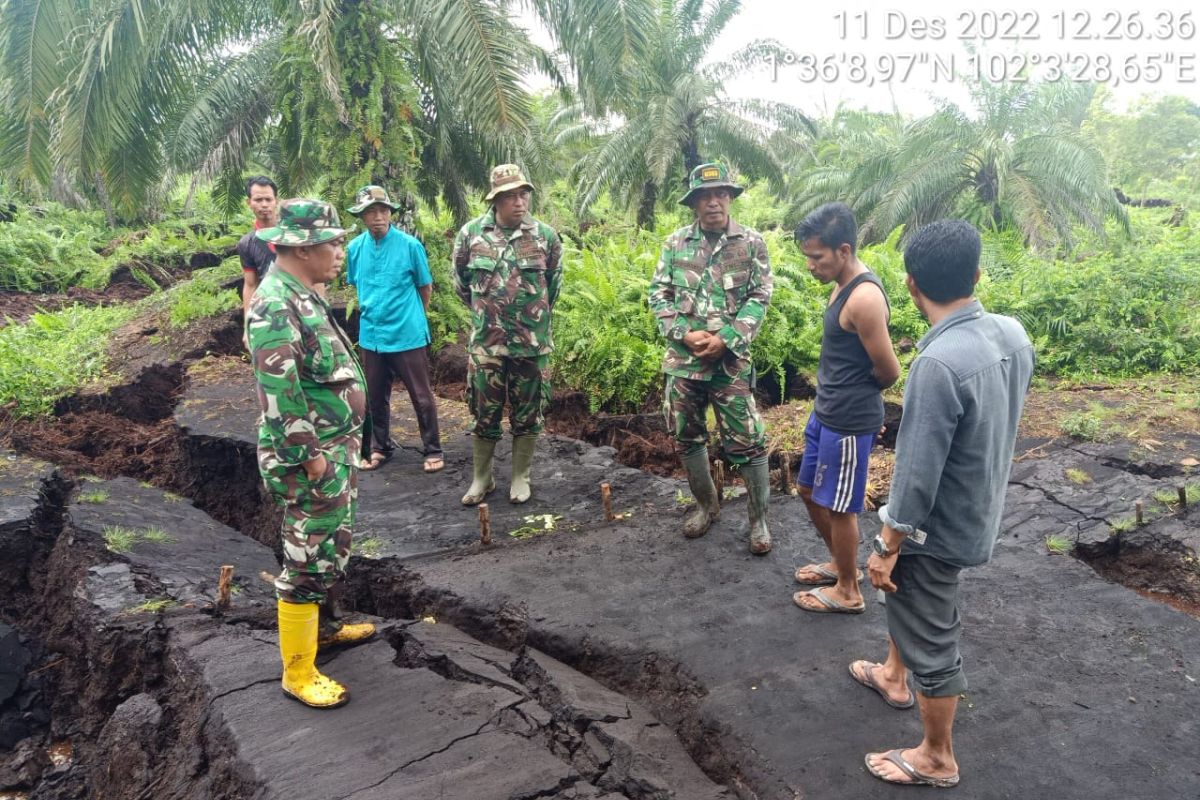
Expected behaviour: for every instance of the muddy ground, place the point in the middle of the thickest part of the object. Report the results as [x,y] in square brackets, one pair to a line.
[590,658]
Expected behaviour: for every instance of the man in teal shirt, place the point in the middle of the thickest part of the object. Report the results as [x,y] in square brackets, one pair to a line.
[391,273]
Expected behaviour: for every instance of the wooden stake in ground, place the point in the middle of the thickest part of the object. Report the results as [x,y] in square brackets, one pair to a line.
[485,524]
[785,473]
[1182,498]
[719,480]
[223,587]
[1137,512]
[606,498]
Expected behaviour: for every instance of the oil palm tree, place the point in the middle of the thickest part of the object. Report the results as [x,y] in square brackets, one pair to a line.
[1019,160]
[655,110]
[116,94]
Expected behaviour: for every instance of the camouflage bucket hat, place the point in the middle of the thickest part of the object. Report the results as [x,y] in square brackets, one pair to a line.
[709,176]
[507,177]
[303,222]
[368,196]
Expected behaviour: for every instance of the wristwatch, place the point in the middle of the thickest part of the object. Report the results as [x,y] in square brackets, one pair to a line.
[879,546]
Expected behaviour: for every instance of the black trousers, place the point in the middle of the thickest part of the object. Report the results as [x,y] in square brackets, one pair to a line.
[411,367]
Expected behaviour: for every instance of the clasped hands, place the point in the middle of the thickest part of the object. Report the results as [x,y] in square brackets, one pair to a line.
[705,345]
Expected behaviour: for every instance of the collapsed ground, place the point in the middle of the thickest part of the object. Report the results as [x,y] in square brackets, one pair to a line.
[594,659]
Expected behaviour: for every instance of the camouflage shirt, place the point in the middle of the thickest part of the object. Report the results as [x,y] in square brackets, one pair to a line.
[510,284]
[723,288]
[310,385]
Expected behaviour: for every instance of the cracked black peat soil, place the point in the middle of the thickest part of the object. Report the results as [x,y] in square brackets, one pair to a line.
[575,657]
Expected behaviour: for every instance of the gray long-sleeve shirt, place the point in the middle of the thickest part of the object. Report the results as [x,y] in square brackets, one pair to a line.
[965,393]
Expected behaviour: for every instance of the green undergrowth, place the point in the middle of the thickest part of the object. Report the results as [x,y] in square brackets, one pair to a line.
[203,295]
[52,354]
[49,248]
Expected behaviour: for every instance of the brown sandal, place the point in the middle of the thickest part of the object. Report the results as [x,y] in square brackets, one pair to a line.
[435,464]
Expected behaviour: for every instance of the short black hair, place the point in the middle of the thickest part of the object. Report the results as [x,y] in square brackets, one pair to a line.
[261,180]
[942,259]
[833,225]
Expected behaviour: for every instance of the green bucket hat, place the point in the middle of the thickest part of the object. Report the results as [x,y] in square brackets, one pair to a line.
[303,222]
[368,196]
[709,176]
[506,177]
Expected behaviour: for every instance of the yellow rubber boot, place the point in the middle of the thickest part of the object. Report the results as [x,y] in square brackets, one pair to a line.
[347,634]
[298,646]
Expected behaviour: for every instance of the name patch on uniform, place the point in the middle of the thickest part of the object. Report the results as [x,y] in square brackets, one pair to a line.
[527,248]
[735,251]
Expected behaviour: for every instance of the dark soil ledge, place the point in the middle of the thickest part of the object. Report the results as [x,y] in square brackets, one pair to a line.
[158,696]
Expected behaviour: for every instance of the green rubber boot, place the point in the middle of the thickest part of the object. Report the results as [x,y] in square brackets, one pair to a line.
[758,486]
[707,507]
[522,460]
[484,481]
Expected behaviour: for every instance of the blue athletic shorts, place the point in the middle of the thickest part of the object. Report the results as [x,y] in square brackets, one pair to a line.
[835,467]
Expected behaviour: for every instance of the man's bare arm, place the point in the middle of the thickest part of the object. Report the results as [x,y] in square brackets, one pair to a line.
[867,312]
[249,284]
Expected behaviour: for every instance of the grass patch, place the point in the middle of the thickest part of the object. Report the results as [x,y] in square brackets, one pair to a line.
[1085,425]
[1170,497]
[52,355]
[370,547]
[151,606]
[536,525]
[119,539]
[1058,544]
[1078,477]
[157,536]
[1123,525]
[96,496]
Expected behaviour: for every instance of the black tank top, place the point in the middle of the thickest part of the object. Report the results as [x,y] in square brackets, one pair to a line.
[848,398]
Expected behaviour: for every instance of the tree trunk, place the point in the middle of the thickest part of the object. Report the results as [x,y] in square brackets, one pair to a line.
[191,195]
[691,152]
[645,212]
[102,194]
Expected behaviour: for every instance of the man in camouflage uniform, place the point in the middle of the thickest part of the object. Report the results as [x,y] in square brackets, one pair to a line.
[310,391]
[507,271]
[710,293]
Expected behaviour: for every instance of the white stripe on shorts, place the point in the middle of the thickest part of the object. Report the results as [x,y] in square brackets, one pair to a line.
[849,465]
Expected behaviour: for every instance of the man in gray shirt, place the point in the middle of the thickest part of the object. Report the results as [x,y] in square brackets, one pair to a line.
[962,403]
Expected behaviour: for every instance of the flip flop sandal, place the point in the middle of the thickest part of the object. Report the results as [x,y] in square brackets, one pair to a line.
[376,461]
[828,604]
[915,778]
[828,576]
[434,464]
[867,679]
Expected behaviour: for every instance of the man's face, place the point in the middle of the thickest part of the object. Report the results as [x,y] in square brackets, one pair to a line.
[511,207]
[824,263]
[377,218]
[262,202]
[322,262]
[712,208]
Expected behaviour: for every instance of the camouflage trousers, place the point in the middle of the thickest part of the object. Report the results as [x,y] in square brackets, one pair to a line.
[318,518]
[685,406]
[523,382]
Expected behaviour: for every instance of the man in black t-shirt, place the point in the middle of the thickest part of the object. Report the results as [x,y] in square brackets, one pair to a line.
[257,255]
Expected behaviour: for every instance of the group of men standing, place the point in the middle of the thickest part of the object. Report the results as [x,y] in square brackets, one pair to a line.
[324,416]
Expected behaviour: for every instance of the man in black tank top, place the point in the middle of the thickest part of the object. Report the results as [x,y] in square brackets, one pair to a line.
[857,363]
